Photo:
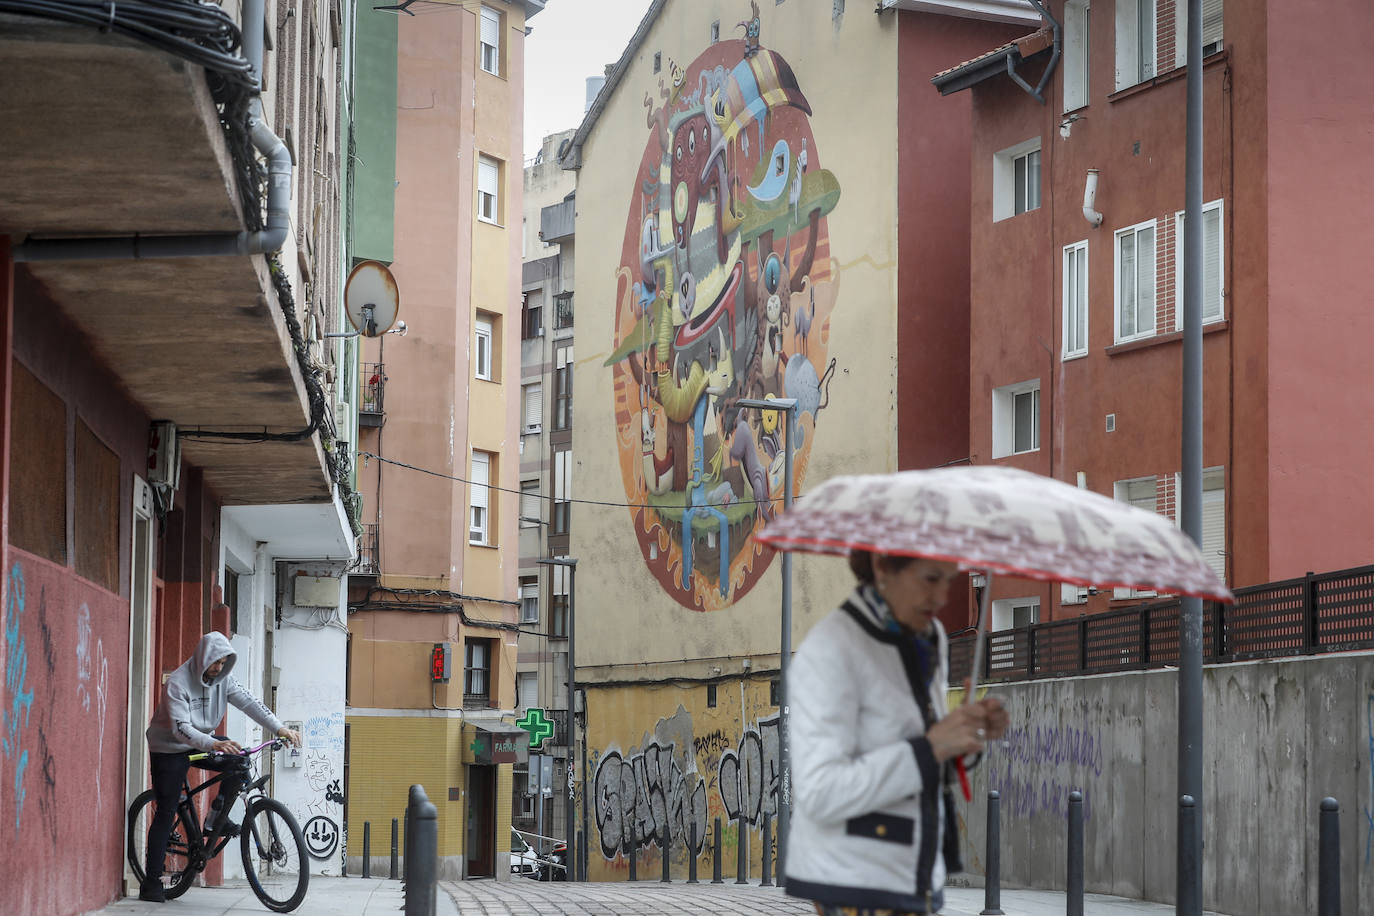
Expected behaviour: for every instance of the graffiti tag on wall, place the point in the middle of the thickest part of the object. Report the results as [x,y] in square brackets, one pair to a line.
[724,292]
[88,662]
[749,777]
[1037,764]
[14,716]
[646,799]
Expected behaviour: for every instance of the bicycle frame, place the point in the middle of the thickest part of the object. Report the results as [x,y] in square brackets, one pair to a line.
[202,846]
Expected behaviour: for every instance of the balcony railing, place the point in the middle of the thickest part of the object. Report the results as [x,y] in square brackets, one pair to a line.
[1327,612]
[369,552]
[370,410]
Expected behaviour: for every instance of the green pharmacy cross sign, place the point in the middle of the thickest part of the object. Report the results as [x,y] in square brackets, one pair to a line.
[537,725]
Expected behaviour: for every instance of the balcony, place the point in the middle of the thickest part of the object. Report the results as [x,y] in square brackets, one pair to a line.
[107,136]
[369,561]
[557,222]
[370,409]
[563,310]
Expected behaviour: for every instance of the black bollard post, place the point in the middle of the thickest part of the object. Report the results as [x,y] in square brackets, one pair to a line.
[393,849]
[422,891]
[634,855]
[405,847]
[992,886]
[1189,881]
[715,855]
[742,860]
[666,844]
[767,852]
[692,854]
[367,849]
[1329,859]
[1075,902]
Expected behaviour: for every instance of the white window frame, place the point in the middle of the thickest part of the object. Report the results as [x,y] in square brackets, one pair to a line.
[1004,418]
[1076,54]
[532,399]
[1213,516]
[1217,284]
[1003,612]
[529,588]
[1004,179]
[489,40]
[1122,492]
[530,504]
[1075,283]
[525,695]
[1213,29]
[488,190]
[479,499]
[482,349]
[1137,48]
[1134,232]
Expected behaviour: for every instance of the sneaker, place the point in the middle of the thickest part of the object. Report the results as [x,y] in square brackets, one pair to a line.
[229,829]
[152,891]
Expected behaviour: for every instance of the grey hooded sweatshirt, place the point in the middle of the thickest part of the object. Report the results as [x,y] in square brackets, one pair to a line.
[189,710]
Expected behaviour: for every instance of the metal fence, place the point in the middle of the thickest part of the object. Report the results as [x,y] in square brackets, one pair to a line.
[374,388]
[369,552]
[1327,612]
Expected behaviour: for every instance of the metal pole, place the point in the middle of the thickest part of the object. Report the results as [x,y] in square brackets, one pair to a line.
[393,849]
[692,855]
[634,854]
[992,886]
[367,849]
[665,846]
[1075,876]
[571,860]
[767,852]
[1189,876]
[715,855]
[1329,860]
[742,852]
[784,752]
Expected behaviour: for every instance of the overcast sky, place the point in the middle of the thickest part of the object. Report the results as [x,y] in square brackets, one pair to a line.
[570,41]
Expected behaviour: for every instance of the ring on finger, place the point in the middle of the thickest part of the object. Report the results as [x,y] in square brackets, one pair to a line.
[980,733]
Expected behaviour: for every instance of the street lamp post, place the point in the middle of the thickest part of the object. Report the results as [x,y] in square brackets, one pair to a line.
[788,407]
[572,860]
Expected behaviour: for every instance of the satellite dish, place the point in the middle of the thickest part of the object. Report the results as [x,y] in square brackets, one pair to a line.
[371,298]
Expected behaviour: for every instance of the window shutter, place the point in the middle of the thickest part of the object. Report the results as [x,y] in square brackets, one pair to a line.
[534,406]
[1127,45]
[1214,521]
[481,468]
[529,502]
[1211,21]
[491,27]
[1075,55]
[1211,264]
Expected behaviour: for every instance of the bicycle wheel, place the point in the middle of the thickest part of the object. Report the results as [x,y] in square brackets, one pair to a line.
[274,856]
[178,869]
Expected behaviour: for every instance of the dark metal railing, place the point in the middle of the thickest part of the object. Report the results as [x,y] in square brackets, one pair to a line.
[369,552]
[374,388]
[1326,612]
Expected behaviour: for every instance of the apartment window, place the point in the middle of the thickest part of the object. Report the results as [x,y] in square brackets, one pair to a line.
[1214,518]
[1135,281]
[482,349]
[491,40]
[562,491]
[1213,278]
[1076,300]
[477,672]
[1016,179]
[1008,613]
[529,504]
[563,310]
[527,689]
[562,388]
[711,696]
[558,616]
[531,320]
[1135,42]
[1075,54]
[1212,21]
[1143,493]
[488,189]
[534,407]
[1016,419]
[529,599]
[479,521]
[38,465]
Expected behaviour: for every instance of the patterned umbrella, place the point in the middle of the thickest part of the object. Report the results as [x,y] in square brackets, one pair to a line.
[1000,520]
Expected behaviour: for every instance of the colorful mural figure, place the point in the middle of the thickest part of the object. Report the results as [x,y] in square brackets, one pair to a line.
[724,292]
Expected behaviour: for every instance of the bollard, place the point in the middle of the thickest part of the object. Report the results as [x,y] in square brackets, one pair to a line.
[715,855]
[1075,886]
[422,891]
[1189,881]
[992,886]
[580,863]
[393,849]
[666,845]
[634,854]
[767,852]
[405,846]
[367,849]
[742,860]
[1329,859]
[692,855]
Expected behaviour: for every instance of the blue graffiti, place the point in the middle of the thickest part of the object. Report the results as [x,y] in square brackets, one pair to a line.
[1035,767]
[1369,809]
[20,699]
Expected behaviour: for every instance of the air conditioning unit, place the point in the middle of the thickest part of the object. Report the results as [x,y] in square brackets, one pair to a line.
[164,455]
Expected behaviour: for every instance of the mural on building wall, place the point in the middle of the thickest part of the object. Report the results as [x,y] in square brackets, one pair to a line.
[673,786]
[724,291]
[317,805]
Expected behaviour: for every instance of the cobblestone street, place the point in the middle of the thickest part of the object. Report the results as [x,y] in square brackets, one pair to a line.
[643,898]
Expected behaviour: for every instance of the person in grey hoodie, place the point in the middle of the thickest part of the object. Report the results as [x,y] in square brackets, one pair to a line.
[192,704]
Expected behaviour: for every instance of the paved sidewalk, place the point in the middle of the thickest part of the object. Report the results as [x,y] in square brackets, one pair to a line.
[523,897]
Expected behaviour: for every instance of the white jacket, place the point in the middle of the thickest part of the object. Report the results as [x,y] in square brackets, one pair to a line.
[867,793]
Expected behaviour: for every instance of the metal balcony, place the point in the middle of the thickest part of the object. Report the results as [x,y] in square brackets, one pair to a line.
[370,410]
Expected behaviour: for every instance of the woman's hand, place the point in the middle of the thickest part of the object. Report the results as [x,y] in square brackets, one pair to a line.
[959,733]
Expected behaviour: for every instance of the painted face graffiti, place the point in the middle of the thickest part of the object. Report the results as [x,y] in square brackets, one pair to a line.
[725,290]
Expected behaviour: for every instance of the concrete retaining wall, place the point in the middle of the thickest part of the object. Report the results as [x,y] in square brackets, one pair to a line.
[1278,737]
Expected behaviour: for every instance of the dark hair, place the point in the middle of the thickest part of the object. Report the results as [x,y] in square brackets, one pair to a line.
[862,562]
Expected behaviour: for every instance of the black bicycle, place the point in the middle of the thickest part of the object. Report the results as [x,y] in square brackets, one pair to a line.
[270,840]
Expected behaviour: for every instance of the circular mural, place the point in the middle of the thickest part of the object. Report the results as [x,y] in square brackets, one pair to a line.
[724,292]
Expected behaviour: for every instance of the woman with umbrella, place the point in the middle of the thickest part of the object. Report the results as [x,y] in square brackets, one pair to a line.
[873,748]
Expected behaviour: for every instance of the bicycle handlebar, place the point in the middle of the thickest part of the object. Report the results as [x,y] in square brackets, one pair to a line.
[243,753]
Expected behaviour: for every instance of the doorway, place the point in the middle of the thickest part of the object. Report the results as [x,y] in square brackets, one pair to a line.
[481,827]
[143,679]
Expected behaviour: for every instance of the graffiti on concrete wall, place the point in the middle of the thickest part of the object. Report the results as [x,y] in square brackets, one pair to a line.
[749,775]
[14,717]
[724,291]
[32,779]
[1039,762]
[92,676]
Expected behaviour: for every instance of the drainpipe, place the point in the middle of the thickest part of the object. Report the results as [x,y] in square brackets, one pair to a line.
[1038,92]
[264,241]
[1089,198]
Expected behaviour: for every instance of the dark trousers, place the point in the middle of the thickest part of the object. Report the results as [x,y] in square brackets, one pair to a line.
[169,772]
